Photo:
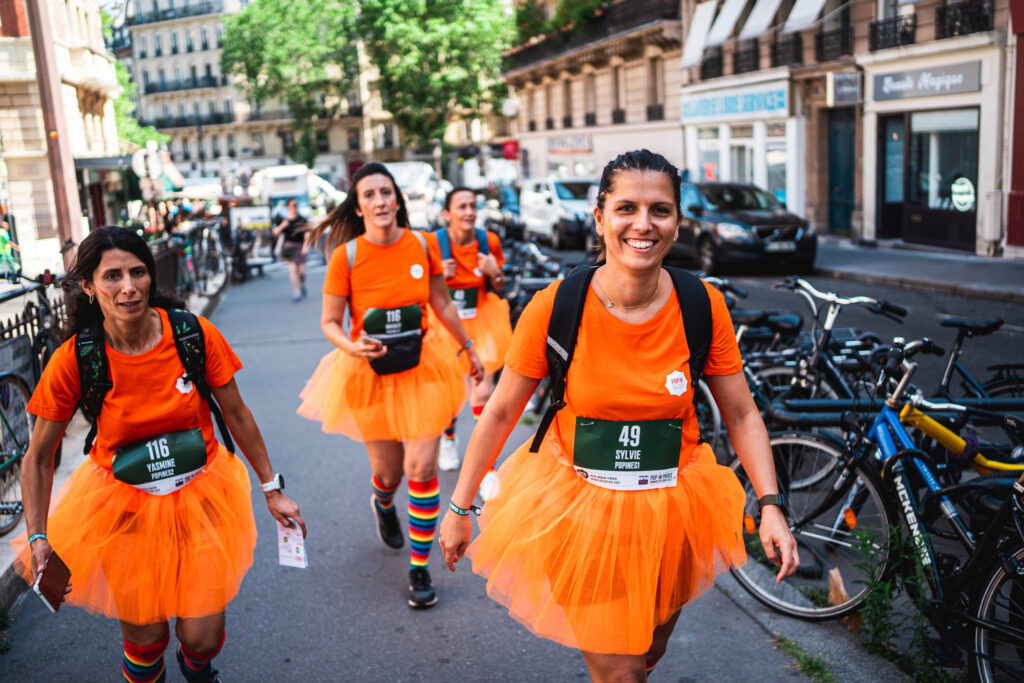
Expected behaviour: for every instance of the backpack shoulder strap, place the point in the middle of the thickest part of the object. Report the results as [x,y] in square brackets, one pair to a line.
[93,375]
[444,243]
[350,252]
[563,328]
[481,242]
[191,346]
[696,307]
[422,240]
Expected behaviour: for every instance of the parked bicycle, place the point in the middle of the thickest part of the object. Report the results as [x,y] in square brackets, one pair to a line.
[203,268]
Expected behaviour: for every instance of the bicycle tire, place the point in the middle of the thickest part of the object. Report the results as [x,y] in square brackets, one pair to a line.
[213,273]
[1006,387]
[997,657]
[777,380]
[15,431]
[808,466]
[709,420]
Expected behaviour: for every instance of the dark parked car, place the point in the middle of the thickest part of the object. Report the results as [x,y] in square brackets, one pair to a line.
[500,211]
[731,223]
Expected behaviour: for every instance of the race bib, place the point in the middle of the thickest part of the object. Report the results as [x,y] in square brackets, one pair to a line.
[161,464]
[383,321]
[628,456]
[465,301]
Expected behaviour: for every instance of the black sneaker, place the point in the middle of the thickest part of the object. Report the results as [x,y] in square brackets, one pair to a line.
[388,529]
[211,675]
[421,593]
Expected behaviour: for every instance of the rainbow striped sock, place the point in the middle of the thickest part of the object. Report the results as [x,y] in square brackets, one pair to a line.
[424,502]
[383,496]
[196,665]
[449,432]
[144,663]
[650,664]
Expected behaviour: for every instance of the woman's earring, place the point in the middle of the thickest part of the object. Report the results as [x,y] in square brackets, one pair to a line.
[92,299]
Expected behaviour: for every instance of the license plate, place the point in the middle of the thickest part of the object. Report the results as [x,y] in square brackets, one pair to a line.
[780,246]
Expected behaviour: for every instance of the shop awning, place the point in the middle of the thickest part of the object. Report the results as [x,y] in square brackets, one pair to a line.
[760,19]
[700,23]
[725,22]
[804,14]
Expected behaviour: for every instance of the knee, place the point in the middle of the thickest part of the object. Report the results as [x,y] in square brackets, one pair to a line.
[203,641]
[421,470]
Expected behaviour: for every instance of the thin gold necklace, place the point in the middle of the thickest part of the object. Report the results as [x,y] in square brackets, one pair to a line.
[611,304]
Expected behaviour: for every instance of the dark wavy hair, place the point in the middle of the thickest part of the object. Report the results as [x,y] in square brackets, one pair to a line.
[637,160]
[81,312]
[343,223]
[448,197]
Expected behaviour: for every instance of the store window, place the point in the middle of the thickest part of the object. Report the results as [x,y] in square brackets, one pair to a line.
[944,160]
[742,150]
[775,155]
[710,153]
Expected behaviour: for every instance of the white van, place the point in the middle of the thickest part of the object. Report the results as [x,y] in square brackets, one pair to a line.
[555,209]
[422,190]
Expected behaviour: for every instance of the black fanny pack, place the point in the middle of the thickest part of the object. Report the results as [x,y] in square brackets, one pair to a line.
[399,330]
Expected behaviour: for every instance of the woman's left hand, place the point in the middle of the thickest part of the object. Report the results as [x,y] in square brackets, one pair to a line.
[779,544]
[488,265]
[476,368]
[284,509]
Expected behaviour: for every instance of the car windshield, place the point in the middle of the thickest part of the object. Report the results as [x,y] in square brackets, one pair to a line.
[739,197]
[572,190]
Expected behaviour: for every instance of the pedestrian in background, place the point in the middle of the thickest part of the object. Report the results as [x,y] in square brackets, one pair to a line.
[291,246]
[391,383]
[592,565]
[473,277]
[8,263]
[135,555]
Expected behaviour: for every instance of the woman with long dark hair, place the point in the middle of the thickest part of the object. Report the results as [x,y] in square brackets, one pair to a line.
[391,383]
[144,546]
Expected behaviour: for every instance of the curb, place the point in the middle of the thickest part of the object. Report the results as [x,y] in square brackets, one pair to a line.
[924,286]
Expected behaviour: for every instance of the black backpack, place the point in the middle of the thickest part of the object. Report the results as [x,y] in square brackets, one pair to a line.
[567,313]
[94,371]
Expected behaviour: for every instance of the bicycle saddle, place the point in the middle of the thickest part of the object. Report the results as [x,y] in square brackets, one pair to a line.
[741,316]
[785,323]
[972,328]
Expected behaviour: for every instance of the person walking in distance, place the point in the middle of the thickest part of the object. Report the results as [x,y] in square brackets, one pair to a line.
[291,236]
[143,546]
[620,518]
[472,269]
[391,383]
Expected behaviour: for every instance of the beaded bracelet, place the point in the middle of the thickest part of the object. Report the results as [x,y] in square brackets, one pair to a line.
[463,512]
[35,537]
[464,347]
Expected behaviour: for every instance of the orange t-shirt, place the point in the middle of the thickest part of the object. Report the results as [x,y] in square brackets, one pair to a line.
[145,400]
[384,277]
[466,272]
[622,371]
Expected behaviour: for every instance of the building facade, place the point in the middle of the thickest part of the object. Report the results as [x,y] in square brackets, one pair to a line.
[88,86]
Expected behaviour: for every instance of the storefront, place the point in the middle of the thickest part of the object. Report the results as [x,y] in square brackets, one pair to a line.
[742,129]
[926,180]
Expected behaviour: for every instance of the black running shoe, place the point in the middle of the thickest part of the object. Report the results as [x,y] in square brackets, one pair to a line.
[388,529]
[211,675]
[421,593]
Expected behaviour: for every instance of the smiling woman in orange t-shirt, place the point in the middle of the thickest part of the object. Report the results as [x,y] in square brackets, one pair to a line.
[578,552]
[391,383]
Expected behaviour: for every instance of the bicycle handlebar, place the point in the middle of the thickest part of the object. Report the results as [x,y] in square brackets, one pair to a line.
[878,305]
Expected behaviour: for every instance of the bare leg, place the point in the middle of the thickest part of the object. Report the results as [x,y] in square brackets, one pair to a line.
[293,275]
[144,634]
[420,462]
[386,459]
[615,668]
[200,634]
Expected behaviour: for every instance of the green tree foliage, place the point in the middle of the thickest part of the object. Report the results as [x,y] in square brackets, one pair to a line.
[435,58]
[532,21]
[304,54]
[128,128]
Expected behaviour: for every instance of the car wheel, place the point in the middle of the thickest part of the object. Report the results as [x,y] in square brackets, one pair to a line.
[707,256]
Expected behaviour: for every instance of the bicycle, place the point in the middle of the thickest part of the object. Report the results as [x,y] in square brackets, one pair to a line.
[203,268]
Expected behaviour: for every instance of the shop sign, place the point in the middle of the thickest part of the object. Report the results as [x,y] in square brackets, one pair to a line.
[570,144]
[510,149]
[943,80]
[764,100]
[962,194]
[842,89]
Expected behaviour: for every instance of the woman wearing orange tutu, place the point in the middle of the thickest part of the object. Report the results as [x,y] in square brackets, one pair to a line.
[580,553]
[144,547]
[392,382]
[473,273]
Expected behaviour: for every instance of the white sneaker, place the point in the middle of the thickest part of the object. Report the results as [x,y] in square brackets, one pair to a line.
[448,459]
[489,486]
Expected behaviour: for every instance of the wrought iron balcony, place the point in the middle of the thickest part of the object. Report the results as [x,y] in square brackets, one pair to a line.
[655,112]
[618,115]
[186,84]
[532,126]
[566,122]
[829,45]
[746,57]
[188,121]
[590,119]
[269,115]
[549,123]
[207,7]
[711,67]
[892,32]
[788,49]
[963,18]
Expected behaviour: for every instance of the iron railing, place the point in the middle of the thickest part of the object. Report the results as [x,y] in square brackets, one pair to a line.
[207,7]
[829,45]
[186,84]
[655,112]
[893,32]
[788,49]
[746,57]
[590,119]
[188,121]
[711,67]
[618,115]
[566,122]
[963,18]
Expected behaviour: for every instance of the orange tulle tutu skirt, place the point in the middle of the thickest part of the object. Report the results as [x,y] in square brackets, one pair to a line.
[490,331]
[347,397]
[143,558]
[596,569]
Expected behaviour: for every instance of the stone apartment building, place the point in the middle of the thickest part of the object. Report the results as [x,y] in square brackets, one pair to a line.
[88,84]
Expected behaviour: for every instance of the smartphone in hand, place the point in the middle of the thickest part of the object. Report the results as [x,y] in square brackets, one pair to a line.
[52,582]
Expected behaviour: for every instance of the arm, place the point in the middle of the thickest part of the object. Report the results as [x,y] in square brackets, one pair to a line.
[501,412]
[332,313]
[243,427]
[750,438]
[488,265]
[446,312]
[37,483]
[279,228]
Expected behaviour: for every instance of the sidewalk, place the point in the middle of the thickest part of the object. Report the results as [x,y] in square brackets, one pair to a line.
[920,270]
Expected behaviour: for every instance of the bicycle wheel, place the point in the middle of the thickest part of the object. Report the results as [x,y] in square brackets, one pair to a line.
[213,273]
[999,647]
[709,419]
[830,542]
[778,380]
[1007,387]
[15,431]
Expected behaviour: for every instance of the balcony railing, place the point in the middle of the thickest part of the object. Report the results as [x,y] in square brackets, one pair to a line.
[655,112]
[590,119]
[711,67]
[963,18]
[207,7]
[829,45]
[532,126]
[269,115]
[549,123]
[188,121]
[186,84]
[892,32]
[566,122]
[618,115]
[788,49]
[618,17]
[747,57]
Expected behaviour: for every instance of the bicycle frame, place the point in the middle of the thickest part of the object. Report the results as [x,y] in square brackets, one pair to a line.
[910,416]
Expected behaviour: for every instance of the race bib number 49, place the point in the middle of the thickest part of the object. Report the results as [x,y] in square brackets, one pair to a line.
[465,301]
[628,456]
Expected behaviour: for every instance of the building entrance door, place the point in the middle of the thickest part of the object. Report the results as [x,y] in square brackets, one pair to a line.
[891,162]
[842,138]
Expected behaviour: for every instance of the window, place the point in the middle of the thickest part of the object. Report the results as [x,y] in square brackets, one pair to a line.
[174,42]
[709,153]
[161,79]
[216,146]
[220,35]
[193,74]
[549,96]
[690,198]
[590,93]
[158,48]
[142,47]
[204,39]
[190,40]
[212,106]
[227,109]
[208,72]
[567,104]
[195,110]
[323,144]
[617,86]
[288,141]
[943,156]
[655,78]
[231,145]
[257,144]
[145,79]
[164,112]
[353,139]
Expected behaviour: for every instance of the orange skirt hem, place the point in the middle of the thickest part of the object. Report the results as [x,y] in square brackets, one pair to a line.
[490,331]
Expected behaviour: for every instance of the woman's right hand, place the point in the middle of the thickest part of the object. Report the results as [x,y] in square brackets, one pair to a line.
[454,537]
[449,268]
[39,551]
[367,348]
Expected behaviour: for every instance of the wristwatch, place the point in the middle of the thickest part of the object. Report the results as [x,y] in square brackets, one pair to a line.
[275,484]
[771,499]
